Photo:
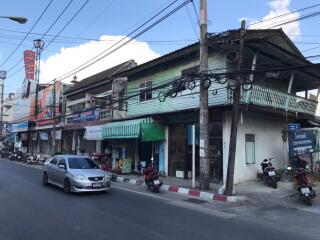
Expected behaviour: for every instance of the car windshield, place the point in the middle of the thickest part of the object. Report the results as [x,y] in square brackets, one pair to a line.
[81,163]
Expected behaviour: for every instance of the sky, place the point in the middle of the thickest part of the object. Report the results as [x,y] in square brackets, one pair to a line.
[102,23]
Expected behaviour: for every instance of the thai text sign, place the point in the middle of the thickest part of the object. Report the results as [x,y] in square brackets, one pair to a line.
[301,142]
[29,58]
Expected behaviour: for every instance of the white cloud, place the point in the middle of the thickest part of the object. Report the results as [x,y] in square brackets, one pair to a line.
[279,7]
[69,58]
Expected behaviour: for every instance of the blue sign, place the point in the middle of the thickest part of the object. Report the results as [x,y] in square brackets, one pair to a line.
[301,142]
[89,115]
[20,127]
[294,126]
[76,118]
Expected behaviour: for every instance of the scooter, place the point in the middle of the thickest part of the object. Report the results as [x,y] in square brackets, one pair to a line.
[13,156]
[305,191]
[151,179]
[31,159]
[269,175]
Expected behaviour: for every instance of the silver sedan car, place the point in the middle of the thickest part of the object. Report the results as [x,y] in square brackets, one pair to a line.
[76,173]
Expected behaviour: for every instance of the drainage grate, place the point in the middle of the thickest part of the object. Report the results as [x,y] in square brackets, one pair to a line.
[195,200]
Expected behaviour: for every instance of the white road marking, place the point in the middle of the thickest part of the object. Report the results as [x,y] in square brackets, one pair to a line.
[142,193]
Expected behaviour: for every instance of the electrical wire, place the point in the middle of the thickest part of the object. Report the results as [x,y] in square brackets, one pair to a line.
[80,68]
[11,54]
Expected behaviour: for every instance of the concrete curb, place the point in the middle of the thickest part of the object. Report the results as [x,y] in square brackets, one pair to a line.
[186,191]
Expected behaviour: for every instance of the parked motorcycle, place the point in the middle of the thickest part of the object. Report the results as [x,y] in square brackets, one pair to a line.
[269,175]
[305,190]
[151,179]
[31,159]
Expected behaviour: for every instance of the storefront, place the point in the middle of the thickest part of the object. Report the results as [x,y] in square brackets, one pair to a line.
[21,132]
[180,146]
[135,143]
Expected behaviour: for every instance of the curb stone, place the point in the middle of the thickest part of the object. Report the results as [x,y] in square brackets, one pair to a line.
[187,191]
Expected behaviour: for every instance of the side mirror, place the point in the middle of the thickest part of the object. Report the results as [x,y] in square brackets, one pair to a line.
[62,166]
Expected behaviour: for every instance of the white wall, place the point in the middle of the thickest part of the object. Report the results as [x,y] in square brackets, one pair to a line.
[268,143]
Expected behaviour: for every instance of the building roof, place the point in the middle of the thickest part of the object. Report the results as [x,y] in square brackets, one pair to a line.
[275,36]
[100,77]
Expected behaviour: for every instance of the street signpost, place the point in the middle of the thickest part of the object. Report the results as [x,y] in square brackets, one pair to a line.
[301,142]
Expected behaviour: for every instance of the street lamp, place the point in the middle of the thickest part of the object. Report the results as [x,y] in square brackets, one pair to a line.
[21,20]
[38,44]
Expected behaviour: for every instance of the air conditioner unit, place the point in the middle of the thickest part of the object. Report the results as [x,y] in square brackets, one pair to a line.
[232,56]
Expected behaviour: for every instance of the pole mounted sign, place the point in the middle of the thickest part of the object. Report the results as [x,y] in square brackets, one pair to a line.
[29,58]
[294,126]
[301,142]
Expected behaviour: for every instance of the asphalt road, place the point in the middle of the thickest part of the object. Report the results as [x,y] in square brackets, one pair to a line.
[29,210]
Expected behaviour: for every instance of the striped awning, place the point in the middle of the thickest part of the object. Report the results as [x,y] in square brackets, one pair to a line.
[124,129]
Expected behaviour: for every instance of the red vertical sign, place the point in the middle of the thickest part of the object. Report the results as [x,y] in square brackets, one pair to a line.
[29,58]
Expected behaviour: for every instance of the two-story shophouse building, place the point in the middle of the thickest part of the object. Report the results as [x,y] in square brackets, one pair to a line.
[162,106]
[90,103]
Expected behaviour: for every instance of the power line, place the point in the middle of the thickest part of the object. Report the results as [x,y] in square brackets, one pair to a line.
[121,40]
[285,14]
[11,54]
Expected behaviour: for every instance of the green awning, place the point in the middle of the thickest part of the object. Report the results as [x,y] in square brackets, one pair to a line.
[151,132]
[145,128]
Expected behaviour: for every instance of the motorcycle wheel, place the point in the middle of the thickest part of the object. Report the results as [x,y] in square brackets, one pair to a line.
[157,190]
[274,184]
[308,202]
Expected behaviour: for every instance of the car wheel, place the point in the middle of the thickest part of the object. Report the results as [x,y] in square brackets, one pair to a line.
[67,186]
[45,179]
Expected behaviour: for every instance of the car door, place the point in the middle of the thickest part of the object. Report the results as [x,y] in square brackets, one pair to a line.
[52,168]
[61,172]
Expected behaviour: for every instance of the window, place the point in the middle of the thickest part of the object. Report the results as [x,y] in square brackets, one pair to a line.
[121,99]
[62,161]
[250,149]
[145,91]
[54,161]
[81,163]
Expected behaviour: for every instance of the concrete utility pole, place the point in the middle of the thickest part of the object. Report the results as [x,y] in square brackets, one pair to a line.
[3,75]
[54,119]
[204,116]
[235,115]
[38,44]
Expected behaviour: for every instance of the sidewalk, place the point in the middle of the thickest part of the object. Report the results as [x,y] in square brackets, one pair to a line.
[254,193]
[182,186]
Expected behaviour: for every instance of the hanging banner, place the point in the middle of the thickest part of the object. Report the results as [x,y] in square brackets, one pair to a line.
[29,58]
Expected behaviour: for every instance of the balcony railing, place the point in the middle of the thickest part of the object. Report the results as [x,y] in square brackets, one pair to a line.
[267,97]
[105,114]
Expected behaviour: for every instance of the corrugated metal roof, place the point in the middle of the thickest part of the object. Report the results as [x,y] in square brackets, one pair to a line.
[101,77]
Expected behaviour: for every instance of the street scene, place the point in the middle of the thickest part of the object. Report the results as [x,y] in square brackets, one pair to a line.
[181,119]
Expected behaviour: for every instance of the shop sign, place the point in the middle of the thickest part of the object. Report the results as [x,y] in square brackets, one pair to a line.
[294,126]
[77,118]
[20,127]
[8,127]
[301,142]
[58,134]
[89,115]
[94,132]
[44,136]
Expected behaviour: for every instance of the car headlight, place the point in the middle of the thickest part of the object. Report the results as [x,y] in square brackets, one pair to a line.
[107,176]
[80,178]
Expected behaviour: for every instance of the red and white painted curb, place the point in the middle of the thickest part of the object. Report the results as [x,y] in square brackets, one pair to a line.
[185,191]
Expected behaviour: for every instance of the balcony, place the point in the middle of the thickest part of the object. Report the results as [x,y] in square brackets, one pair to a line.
[105,114]
[267,97]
